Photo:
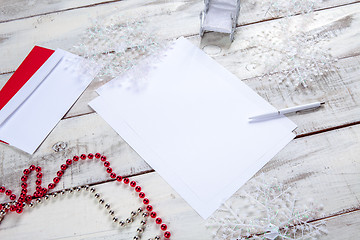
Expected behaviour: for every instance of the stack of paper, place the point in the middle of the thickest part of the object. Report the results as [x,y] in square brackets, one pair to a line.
[190,123]
[39,94]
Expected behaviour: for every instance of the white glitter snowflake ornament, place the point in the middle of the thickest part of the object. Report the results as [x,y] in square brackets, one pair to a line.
[117,45]
[266,209]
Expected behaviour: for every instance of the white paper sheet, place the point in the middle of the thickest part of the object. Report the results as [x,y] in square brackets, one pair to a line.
[36,109]
[190,123]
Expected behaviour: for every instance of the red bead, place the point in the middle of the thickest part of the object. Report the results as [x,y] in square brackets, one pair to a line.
[106,164]
[44,191]
[103,158]
[138,188]
[8,192]
[163,227]
[83,156]
[19,210]
[2,189]
[1,207]
[26,171]
[19,204]
[38,169]
[109,170]
[153,214]
[32,167]
[28,198]
[24,191]
[39,175]
[167,234]
[38,188]
[13,208]
[90,156]
[38,182]
[24,178]
[119,178]
[51,185]
[69,162]
[158,221]
[60,173]
[97,155]
[126,180]
[149,208]
[22,198]
[63,167]
[76,158]
[146,201]
[132,183]
[112,175]
[141,195]
[56,180]
[12,197]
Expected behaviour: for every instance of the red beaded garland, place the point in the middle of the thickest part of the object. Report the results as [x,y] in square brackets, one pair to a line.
[163,227]
[153,214]
[167,234]
[40,191]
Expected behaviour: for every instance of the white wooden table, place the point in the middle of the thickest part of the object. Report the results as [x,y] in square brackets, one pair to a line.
[322,163]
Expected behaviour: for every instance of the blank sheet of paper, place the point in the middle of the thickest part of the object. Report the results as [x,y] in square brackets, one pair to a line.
[190,123]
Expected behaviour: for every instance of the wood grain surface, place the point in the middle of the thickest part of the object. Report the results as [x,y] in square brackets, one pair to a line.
[322,163]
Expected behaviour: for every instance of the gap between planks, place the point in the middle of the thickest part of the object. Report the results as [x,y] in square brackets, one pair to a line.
[63,10]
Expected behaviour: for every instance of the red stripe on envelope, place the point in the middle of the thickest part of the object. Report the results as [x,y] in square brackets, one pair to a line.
[25,71]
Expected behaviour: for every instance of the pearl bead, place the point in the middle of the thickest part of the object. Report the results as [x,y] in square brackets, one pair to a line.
[140,210]
[107,206]
[129,220]
[121,223]
[92,190]
[143,222]
[62,192]
[136,238]
[111,212]
[133,213]
[101,201]
[115,219]
[157,238]
[46,197]
[140,230]
[54,195]
[39,200]
[145,214]
[86,187]
[97,195]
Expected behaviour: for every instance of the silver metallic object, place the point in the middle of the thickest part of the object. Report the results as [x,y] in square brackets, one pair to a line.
[220,16]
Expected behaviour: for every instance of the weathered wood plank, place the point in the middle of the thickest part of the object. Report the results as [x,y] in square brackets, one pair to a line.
[15,9]
[323,166]
[182,221]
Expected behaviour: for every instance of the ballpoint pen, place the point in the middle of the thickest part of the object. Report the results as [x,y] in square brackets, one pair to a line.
[281,112]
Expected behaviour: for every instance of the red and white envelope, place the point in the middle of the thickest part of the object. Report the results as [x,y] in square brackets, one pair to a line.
[39,93]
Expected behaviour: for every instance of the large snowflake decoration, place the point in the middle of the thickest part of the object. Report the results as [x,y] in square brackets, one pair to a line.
[117,45]
[266,210]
